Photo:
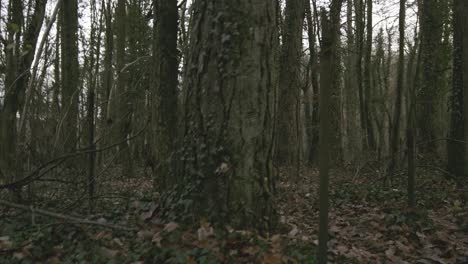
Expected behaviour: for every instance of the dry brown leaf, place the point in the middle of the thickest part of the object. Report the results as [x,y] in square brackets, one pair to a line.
[190,260]
[108,253]
[272,259]
[390,252]
[53,260]
[171,227]
[145,234]
[294,231]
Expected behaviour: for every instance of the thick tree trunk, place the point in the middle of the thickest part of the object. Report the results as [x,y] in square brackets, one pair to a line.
[458,102]
[166,61]
[8,137]
[288,134]
[228,111]
[428,96]
[18,63]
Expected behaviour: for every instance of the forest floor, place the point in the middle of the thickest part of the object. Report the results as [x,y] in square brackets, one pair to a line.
[369,223]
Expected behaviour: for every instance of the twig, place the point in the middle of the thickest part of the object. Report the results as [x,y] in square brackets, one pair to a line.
[72,219]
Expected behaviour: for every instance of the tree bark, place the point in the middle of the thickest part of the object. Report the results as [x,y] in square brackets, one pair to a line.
[428,95]
[228,111]
[312,88]
[330,35]
[367,78]
[395,133]
[18,62]
[166,61]
[458,110]
[288,134]
[70,75]
[121,97]
[353,141]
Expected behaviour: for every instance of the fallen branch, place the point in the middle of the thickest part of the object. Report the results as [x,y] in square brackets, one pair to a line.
[72,219]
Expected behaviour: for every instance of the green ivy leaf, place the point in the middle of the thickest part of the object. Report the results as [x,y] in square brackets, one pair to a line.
[13,27]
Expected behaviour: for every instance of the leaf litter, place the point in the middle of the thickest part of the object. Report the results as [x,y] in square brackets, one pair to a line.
[369,223]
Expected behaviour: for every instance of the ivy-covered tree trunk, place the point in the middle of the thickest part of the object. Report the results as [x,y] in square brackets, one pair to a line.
[458,101]
[8,137]
[428,96]
[228,111]
[70,75]
[288,135]
[166,61]
[19,57]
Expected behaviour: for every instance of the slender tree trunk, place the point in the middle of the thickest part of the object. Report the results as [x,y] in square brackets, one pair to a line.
[228,111]
[411,169]
[330,35]
[94,56]
[107,84]
[70,75]
[336,105]
[353,141]
[367,78]
[395,133]
[359,16]
[122,97]
[311,93]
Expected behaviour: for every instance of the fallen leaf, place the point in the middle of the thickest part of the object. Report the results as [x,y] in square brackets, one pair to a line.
[293,232]
[108,253]
[145,234]
[171,227]
[271,259]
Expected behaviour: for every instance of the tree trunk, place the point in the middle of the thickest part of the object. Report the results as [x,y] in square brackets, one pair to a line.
[107,83]
[288,134]
[18,62]
[353,141]
[311,89]
[458,112]
[428,96]
[330,35]
[166,61]
[121,97]
[367,78]
[395,133]
[228,111]
[70,75]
